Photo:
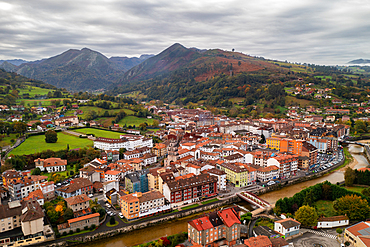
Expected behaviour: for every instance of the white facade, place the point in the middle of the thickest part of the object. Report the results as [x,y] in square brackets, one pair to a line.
[129,142]
[327,223]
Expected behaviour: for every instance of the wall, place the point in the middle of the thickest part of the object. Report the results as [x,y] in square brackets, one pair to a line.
[143,224]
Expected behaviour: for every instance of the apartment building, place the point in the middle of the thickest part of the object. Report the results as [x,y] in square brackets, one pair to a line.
[223,225]
[140,205]
[51,164]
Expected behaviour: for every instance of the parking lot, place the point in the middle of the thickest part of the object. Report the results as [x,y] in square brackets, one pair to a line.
[310,239]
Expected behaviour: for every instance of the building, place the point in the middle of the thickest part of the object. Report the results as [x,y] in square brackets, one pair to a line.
[221,176]
[79,223]
[129,142]
[190,189]
[78,186]
[235,174]
[79,204]
[51,164]
[66,121]
[287,227]
[137,181]
[359,234]
[140,205]
[259,241]
[332,222]
[215,229]
[265,174]
[160,150]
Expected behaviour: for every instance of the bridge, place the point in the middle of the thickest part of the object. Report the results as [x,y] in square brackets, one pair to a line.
[253,199]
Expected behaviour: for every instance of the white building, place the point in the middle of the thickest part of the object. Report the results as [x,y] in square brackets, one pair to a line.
[287,227]
[265,174]
[113,175]
[221,175]
[129,142]
[51,164]
[333,222]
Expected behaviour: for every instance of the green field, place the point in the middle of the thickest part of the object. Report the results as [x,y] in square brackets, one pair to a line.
[6,140]
[210,201]
[290,100]
[35,102]
[132,120]
[32,91]
[98,110]
[355,189]
[99,133]
[35,144]
[325,208]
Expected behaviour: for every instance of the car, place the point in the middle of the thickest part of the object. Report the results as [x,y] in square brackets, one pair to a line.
[270,183]
[59,184]
[91,195]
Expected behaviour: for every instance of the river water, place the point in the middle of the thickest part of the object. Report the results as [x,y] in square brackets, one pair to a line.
[169,228]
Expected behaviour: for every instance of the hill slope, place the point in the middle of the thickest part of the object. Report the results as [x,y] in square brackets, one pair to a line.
[76,69]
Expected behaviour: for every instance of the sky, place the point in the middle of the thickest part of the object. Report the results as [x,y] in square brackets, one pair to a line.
[307,31]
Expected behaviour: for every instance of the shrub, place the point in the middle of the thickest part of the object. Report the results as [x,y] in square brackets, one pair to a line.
[86,227]
[70,232]
[112,221]
[339,230]
[64,234]
[57,235]
[78,230]
[92,227]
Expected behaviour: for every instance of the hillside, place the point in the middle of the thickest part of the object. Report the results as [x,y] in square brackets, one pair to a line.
[76,69]
[359,61]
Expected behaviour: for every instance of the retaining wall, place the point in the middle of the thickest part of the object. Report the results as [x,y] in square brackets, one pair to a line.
[143,224]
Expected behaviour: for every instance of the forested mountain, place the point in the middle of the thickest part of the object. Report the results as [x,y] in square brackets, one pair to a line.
[15,62]
[359,61]
[76,69]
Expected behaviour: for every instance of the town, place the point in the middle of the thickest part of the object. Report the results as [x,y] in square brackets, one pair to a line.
[191,158]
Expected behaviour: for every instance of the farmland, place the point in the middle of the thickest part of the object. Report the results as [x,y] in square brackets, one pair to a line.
[35,144]
[32,91]
[99,133]
[132,120]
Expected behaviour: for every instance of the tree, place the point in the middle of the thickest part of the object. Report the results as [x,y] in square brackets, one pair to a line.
[339,230]
[20,127]
[51,136]
[142,126]
[263,139]
[352,205]
[349,176]
[36,171]
[245,218]
[112,221]
[366,192]
[68,214]
[326,192]
[306,215]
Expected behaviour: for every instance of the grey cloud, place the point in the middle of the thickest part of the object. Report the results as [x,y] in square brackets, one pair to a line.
[315,31]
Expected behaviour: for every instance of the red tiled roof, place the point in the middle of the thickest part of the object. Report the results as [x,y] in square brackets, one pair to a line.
[228,217]
[83,218]
[201,223]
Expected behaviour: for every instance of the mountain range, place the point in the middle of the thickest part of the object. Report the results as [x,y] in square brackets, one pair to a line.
[359,61]
[76,70]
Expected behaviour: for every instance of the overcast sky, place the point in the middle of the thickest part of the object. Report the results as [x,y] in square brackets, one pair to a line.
[312,31]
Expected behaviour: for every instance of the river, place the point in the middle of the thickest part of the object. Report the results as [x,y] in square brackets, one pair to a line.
[152,233]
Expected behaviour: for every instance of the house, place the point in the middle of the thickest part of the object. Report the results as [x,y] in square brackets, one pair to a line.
[332,222]
[66,121]
[221,226]
[51,164]
[79,223]
[36,195]
[259,241]
[358,234]
[79,204]
[77,186]
[287,227]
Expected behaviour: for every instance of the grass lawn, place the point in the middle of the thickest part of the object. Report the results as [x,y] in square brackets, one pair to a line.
[132,120]
[190,206]
[290,100]
[5,141]
[209,201]
[35,102]
[37,144]
[325,208]
[64,173]
[265,222]
[99,111]
[109,225]
[78,233]
[32,91]
[99,133]
[355,188]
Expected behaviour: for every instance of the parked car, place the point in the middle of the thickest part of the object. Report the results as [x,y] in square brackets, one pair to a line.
[91,195]
[270,183]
